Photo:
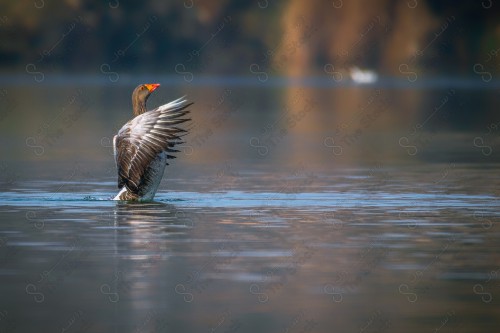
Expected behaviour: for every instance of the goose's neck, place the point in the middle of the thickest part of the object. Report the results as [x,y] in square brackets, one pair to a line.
[139,106]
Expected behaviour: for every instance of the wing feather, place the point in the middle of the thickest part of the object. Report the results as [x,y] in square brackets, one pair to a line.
[141,139]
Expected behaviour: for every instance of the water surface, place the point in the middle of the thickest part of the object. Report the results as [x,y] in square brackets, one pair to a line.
[320,223]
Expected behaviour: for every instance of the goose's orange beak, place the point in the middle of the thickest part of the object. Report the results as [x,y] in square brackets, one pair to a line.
[151,87]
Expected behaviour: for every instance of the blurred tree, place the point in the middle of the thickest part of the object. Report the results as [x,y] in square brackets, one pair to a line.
[293,38]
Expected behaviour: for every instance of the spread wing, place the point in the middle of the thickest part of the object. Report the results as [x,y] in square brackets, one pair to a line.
[141,139]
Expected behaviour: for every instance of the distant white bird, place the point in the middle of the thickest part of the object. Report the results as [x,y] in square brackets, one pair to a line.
[144,144]
[363,76]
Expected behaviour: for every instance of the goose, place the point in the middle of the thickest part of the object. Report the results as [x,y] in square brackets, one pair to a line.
[145,143]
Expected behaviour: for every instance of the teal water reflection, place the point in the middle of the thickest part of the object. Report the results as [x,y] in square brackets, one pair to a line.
[341,256]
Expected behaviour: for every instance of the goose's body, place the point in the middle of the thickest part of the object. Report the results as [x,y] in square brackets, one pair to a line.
[144,144]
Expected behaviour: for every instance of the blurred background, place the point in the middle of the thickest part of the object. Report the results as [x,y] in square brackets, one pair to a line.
[322,80]
[289,38]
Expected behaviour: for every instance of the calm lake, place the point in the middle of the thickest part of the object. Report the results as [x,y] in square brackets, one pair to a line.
[292,207]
